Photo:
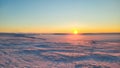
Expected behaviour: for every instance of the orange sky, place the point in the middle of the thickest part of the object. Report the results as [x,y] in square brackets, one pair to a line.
[60,16]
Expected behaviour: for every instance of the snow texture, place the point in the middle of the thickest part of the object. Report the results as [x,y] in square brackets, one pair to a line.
[59,51]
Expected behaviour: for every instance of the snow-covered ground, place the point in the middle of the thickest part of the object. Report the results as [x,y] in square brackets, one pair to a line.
[59,51]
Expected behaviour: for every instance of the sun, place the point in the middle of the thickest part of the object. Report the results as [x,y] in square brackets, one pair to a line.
[75,32]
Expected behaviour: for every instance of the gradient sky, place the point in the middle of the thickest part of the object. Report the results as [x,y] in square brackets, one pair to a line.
[49,16]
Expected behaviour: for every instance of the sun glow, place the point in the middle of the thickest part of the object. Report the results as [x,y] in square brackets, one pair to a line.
[75,32]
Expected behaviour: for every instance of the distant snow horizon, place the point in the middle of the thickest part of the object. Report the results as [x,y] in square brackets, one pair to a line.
[107,33]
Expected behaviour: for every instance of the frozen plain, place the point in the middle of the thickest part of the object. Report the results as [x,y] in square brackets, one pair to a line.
[59,51]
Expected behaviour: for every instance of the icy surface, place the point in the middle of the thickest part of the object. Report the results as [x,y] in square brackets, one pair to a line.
[59,51]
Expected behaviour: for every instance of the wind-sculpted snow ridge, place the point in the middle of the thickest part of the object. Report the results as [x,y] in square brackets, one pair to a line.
[54,51]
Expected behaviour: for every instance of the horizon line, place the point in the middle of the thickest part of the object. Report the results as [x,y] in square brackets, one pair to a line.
[58,33]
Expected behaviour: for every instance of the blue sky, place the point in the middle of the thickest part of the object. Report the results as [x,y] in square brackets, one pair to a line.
[59,15]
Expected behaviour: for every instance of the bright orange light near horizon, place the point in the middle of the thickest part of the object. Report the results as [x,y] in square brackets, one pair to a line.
[75,32]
